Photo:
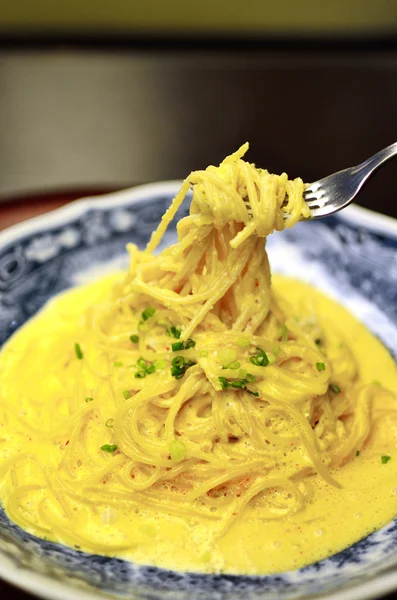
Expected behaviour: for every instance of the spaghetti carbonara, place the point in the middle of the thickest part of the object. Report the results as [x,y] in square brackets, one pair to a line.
[190,388]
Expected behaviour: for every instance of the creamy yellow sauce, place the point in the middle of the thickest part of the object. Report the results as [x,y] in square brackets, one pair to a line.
[332,520]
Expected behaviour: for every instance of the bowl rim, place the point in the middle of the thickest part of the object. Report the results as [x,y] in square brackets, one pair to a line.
[45,586]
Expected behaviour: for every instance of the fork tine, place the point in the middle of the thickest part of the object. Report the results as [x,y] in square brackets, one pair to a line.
[310,196]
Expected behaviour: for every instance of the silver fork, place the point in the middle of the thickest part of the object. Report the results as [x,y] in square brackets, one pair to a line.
[328,195]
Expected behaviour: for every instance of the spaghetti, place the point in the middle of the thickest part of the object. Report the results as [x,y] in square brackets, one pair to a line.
[190,388]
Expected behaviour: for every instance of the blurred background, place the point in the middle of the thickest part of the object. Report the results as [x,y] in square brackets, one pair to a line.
[99,95]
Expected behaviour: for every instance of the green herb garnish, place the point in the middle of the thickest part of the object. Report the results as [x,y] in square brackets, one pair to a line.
[334,388]
[385,459]
[358,453]
[320,366]
[89,399]
[109,423]
[126,394]
[224,382]
[233,365]
[240,384]
[145,368]
[160,364]
[148,312]
[109,447]
[283,333]
[180,366]
[251,392]
[79,352]
[260,359]
[178,361]
[134,338]
[176,346]
[174,332]
[118,364]
[177,450]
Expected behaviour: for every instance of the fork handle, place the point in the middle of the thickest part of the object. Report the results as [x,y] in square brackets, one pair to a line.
[377,159]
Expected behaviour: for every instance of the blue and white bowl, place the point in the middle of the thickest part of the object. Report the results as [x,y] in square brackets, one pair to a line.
[352,257]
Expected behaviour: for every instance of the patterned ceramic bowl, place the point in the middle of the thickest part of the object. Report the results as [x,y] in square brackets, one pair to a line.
[352,257]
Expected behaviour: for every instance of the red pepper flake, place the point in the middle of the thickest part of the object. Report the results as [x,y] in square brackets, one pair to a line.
[67,442]
[234,514]
[256,283]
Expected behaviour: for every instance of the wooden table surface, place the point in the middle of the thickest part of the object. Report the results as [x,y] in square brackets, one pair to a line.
[10,214]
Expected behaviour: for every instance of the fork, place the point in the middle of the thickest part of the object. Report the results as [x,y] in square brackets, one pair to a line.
[330,194]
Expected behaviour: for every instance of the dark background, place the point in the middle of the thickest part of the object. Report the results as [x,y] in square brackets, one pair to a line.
[82,115]
[89,113]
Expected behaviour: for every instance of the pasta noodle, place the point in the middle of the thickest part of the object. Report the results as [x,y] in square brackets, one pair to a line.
[191,388]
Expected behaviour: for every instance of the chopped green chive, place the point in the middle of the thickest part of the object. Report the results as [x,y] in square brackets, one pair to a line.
[385,459]
[283,333]
[79,352]
[320,366]
[176,346]
[109,423]
[233,365]
[358,453]
[109,447]
[243,343]
[177,450]
[134,338]
[148,312]
[276,350]
[318,342]
[178,361]
[260,359]
[238,383]
[174,332]
[118,364]
[251,392]
[203,353]
[180,366]
[160,364]
[334,388]
[89,399]
[145,368]
[177,373]
[126,394]
[224,382]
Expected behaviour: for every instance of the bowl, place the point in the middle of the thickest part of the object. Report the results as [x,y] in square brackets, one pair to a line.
[351,256]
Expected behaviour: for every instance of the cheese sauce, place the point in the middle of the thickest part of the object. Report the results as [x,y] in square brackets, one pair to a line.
[331,520]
